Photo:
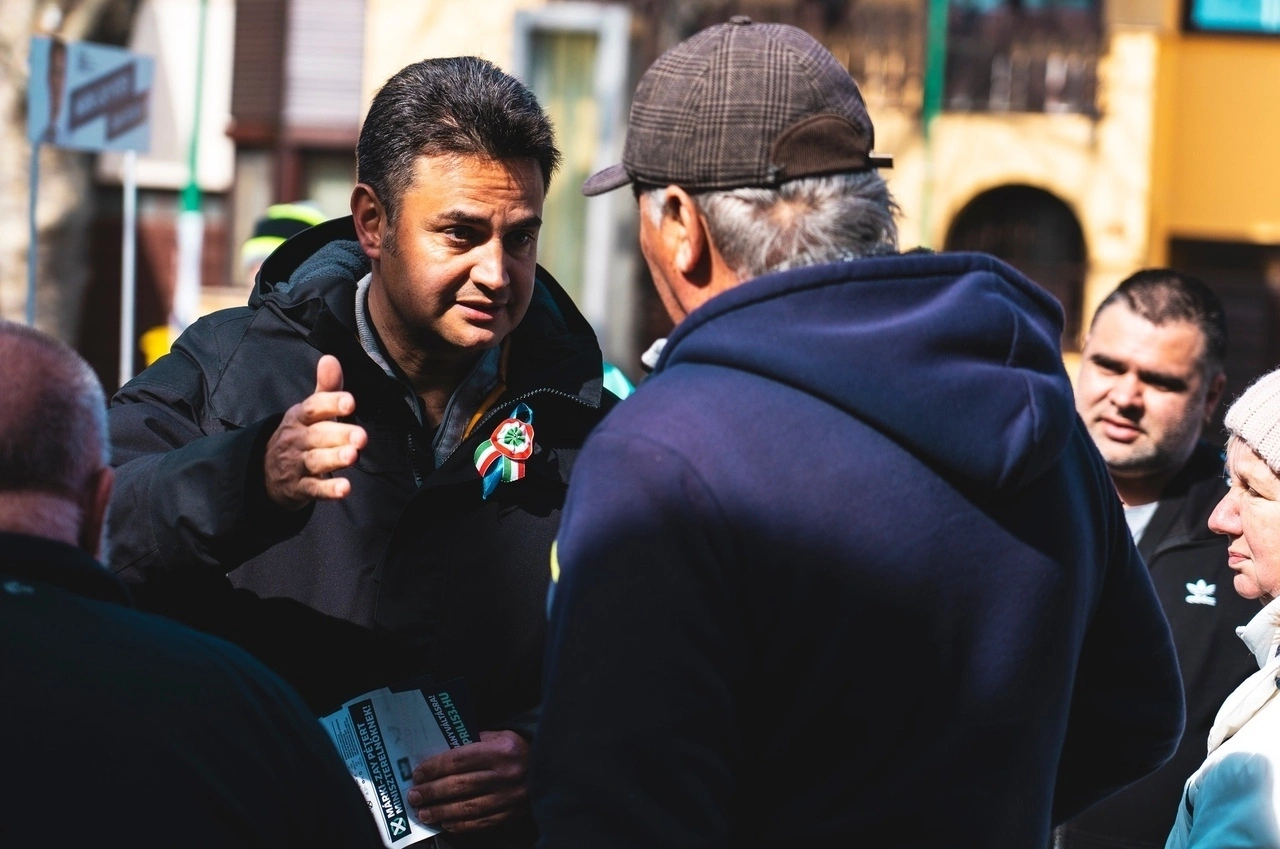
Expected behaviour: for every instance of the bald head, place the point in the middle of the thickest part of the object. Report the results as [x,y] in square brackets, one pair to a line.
[53,440]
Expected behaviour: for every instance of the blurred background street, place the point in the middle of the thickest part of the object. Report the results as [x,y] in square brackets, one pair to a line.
[1077,139]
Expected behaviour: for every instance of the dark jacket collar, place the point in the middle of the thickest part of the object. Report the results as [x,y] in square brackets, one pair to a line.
[47,561]
[1185,504]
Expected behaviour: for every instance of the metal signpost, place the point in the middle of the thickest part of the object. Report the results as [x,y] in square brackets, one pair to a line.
[91,97]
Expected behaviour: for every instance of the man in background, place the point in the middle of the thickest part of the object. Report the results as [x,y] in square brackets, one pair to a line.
[271,230]
[123,727]
[1151,376]
[847,569]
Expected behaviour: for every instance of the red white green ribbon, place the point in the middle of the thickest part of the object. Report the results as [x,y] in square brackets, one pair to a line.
[500,458]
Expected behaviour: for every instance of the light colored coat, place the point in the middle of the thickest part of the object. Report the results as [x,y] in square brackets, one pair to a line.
[1233,799]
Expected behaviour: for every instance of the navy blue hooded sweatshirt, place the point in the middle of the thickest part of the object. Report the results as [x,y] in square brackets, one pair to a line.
[847,567]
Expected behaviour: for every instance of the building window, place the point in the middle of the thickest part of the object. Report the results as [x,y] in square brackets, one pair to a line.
[1036,233]
[1247,279]
[1022,55]
[250,196]
[327,178]
[558,61]
[574,56]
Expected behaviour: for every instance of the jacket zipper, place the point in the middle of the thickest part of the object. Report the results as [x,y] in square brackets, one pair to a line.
[413,463]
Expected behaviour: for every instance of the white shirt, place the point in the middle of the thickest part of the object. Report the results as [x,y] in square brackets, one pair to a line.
[1138,517]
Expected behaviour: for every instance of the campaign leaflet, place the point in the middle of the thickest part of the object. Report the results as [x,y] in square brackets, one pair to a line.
[384,734]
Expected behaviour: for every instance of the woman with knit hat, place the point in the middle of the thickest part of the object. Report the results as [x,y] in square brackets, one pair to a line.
[1233,799]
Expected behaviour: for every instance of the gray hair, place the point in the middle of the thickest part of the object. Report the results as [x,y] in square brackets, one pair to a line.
[809,221]
[53,416]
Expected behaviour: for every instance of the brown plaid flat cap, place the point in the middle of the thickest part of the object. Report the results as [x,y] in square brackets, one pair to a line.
[743,104]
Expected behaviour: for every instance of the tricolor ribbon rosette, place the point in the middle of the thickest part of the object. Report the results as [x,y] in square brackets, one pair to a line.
[501,457]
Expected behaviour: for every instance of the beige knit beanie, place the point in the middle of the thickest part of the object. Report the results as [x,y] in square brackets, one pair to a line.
[1255,418]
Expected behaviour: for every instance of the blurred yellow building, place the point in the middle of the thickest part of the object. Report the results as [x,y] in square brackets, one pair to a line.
[1077,139]
[1169,160]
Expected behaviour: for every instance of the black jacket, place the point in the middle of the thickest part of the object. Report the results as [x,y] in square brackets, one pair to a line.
[411,574]
[1181,552]
[189,741]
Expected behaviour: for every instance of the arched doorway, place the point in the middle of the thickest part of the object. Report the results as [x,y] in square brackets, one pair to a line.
[1037,234]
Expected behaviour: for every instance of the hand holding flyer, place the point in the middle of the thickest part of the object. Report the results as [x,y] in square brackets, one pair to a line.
[384,734]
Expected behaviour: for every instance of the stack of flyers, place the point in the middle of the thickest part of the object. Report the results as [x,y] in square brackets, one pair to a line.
[384,734]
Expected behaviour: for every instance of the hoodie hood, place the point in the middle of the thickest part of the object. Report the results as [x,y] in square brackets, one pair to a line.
[954,356]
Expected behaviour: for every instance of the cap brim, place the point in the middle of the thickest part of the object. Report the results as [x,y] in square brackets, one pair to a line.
[613,177]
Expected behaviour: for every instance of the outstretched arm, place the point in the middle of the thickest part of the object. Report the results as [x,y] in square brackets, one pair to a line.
[192,492]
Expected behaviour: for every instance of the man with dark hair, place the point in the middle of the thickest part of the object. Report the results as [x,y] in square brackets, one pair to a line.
[450,108]
[847,568]
[189,737]
[1150,378]
[359,475]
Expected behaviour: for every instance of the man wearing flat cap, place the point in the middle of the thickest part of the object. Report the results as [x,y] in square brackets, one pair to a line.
[847,565]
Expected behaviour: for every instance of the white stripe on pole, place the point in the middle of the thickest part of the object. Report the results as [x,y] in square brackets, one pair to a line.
[128,285]
[32,246]
[186,292]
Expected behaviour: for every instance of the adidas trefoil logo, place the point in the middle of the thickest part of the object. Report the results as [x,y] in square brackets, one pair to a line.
[1202,593]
